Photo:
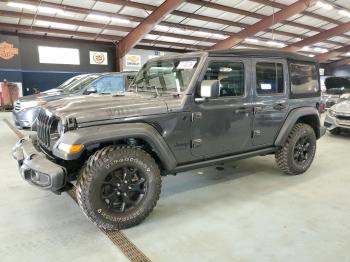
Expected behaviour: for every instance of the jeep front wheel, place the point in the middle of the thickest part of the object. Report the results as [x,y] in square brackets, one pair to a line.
[297,153]
[118,187]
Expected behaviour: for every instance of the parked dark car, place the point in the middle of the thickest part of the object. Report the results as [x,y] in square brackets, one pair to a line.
[26,108]
[180,113]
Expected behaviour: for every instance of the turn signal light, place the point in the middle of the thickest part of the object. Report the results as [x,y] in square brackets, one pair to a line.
[70,149]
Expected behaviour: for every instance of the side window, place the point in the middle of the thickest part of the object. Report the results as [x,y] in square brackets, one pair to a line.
[231,77]
[304,79]
[269,78]
[110,84]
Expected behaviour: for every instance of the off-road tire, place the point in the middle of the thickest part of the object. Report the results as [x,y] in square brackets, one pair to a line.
[97,167]
[284,155]
[335,131]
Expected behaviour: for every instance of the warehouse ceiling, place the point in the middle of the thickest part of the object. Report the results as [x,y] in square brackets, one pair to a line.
[321,29]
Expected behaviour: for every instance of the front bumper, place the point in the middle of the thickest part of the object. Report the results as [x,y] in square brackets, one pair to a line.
[36,168]
[332,122]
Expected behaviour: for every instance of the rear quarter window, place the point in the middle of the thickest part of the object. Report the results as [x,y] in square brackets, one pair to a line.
[304,79]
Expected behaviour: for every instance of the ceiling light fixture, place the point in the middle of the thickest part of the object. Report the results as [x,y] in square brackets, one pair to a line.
[50,10]
[120,20]
[275,43]
[221,36]
[320,50]
[161,28]
[21,5]
[53,24]
[252,40]
[344,13]
[99,17]
[324,5]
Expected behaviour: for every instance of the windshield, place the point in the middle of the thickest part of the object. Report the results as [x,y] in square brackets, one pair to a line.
[69,81]
[79,84]
[165,76]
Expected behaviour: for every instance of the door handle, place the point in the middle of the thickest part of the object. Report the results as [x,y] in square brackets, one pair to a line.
[243,110]
[280,106]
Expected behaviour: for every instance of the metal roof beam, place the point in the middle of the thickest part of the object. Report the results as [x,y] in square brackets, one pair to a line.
[332,54]
[340,29]
[100,37]
[339,63]
[146,26]
[265,23]
[169,24]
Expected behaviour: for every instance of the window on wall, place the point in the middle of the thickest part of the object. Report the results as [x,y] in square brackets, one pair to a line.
[304,79]
[58,55]
[269,78]
[230,75]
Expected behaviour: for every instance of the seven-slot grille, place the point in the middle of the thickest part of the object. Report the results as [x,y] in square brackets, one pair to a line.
[44,124]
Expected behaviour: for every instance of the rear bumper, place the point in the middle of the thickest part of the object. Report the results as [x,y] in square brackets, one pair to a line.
[36,168]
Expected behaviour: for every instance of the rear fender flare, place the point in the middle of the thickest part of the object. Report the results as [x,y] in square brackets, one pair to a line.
[292,119]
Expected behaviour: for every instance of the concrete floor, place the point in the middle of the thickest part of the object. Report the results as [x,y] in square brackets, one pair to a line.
[248,211]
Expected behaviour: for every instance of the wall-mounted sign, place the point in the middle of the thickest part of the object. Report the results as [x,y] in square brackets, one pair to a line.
[321,71]
[7,51]
[98,58]
[58,55]
[133,60]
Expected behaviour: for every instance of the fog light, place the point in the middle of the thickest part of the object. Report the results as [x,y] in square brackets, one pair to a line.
[40,179]
[70,149]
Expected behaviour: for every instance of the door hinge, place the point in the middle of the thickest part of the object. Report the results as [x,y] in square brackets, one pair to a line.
[196,143]
[196,115]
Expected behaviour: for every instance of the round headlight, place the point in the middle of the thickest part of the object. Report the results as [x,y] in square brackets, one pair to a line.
[60,128]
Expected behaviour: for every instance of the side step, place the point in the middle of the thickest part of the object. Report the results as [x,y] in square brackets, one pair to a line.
[213,161]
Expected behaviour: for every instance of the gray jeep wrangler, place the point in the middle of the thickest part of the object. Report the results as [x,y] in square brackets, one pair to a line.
[181,112]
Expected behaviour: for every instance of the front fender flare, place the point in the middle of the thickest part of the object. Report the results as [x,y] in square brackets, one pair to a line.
[292,119]
[107,133]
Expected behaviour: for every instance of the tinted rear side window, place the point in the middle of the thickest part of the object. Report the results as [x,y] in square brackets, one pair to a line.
[269,78]
[304,79]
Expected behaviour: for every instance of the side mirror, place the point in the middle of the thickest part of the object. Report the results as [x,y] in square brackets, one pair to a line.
[209,89]
[91,90]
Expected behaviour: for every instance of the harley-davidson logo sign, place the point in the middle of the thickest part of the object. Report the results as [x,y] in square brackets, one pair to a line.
[7,51]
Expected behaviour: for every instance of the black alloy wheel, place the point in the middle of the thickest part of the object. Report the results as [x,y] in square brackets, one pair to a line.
[302,150]
[124,189]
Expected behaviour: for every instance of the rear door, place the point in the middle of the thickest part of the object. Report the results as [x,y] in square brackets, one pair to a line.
[270,77]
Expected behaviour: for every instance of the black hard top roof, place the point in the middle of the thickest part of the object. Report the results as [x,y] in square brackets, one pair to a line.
[261,53]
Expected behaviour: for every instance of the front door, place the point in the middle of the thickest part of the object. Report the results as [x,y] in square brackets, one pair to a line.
[222,125]
[270,77]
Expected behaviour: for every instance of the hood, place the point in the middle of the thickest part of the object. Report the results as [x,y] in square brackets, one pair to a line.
[49,95]
[107,107]
[343,107]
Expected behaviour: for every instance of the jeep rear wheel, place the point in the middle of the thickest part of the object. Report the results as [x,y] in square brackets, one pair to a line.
[298,152]
[118,187]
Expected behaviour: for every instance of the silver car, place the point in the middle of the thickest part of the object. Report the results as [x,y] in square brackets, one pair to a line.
[338,116]
[26,108]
